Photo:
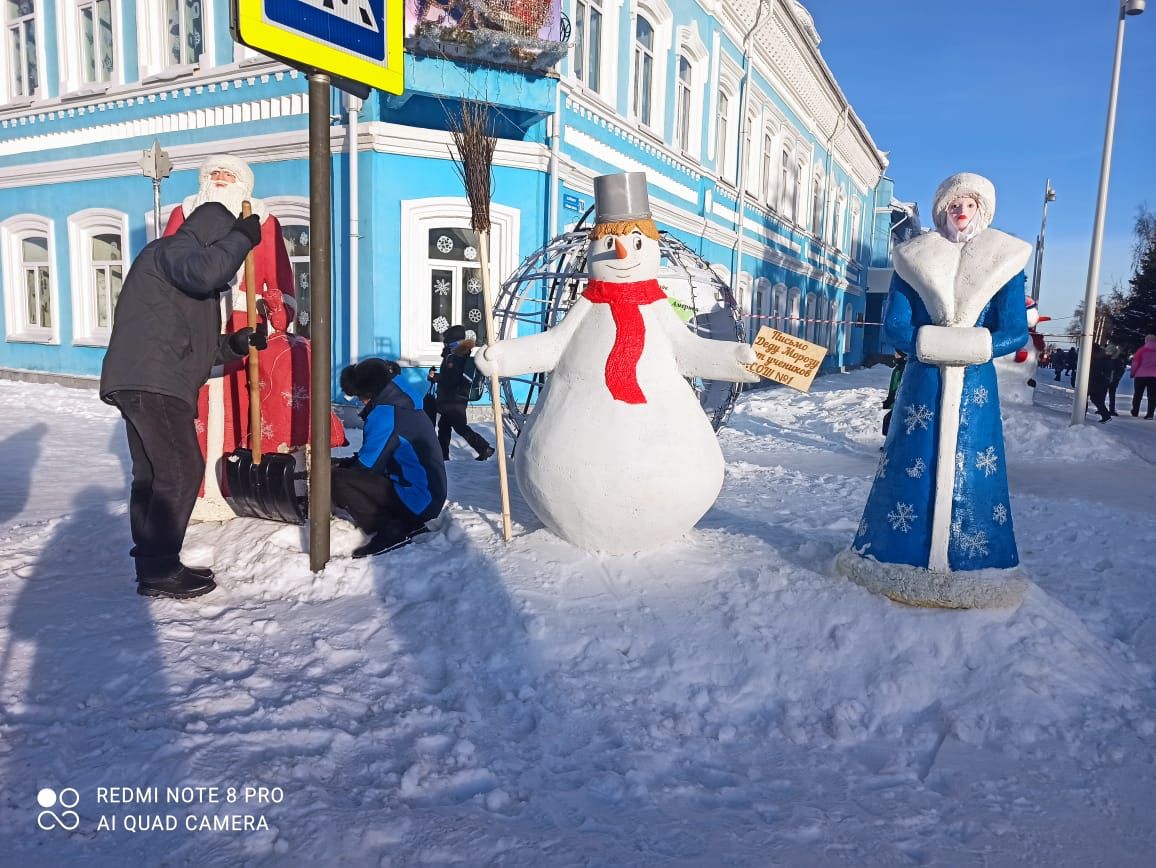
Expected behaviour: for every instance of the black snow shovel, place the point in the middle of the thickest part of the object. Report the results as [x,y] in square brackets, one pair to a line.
[261,486]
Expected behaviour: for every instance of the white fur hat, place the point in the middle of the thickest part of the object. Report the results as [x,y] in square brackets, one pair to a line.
[230,164]
[964,184]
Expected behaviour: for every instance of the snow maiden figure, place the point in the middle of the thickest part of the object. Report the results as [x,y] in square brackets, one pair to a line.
[618,456]
[937,529]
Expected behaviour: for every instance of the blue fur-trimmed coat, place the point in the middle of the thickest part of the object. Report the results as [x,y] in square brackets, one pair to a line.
[975,284]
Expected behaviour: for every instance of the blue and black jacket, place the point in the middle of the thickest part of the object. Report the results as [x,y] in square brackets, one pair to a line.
[399,443]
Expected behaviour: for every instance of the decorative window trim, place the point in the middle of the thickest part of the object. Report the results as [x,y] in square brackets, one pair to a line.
[848,315]
[152,48]
[856,229]
[12,232]
[607,56]
[794,312]
[417,216]
[729,76]
[779,306]
[660,17]
[68,31]
[9,99]
[691,46]
[81,227]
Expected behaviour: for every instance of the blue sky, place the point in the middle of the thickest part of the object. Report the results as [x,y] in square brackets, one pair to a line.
[1016,90]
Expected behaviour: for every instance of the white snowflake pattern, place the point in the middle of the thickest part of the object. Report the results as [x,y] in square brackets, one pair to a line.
[471,335]
[999,514]
[862,531]
[199,426]
[297,396]
[266,430]
[473,286]
[470,254]
[902,517]
[980,396]
[445,244]
[974,543]
[915,471]
[881,470]
[918,416]
[474,315]
[987,461]
[960,461]
[441,324]
[442,287]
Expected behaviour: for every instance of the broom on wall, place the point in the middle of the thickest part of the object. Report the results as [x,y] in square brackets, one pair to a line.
[474,163]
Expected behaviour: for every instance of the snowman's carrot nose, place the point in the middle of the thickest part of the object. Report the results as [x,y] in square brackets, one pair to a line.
[620,249]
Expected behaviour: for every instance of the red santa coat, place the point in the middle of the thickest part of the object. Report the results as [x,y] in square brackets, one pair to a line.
[284,380]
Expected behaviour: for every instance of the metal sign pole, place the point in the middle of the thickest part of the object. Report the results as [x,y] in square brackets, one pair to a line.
[320,315]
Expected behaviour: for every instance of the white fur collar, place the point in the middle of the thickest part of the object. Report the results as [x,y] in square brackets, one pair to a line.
[955,281]
[190,203]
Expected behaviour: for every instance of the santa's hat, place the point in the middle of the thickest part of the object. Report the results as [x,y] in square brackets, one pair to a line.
[977,187]
[235,165]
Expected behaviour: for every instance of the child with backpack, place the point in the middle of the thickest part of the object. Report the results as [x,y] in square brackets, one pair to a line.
[458,383]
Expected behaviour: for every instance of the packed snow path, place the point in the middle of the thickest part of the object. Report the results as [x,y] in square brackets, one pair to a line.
[728,700]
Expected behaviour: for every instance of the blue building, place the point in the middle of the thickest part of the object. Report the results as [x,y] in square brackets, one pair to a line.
[716,113]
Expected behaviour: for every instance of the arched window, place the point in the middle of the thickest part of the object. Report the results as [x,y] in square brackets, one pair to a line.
[723,159]
[30,294]
[856,241]
[817,204]
[833,328]
[812,327]
[768,172]
[779,306]
[643,70]
[786,181]
[848,316]
[794,315]
[838,239]
[99,258]
[441,277]
[22,52]
[683,89]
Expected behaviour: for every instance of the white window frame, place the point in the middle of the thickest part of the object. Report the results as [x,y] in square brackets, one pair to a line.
[779,306]
[784,203]
[838,239]
[418,216]
[581,18]
[724,145]
[729,78]
[7,93]
[153,47]
[753,155]
[761,304]
[856,227]
[833,326]
[12,233]
[816,215]
[768,169]
[82,226]
[794,312]
[811,313]
[691,47]
[290,209]
[658,15]
[848,314]
[68,31]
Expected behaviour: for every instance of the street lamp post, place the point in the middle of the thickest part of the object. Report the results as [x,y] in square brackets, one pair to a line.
[1084,366]
[1049,196]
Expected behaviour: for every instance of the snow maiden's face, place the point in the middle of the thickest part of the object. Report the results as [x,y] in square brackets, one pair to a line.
[961,211]
[623,258]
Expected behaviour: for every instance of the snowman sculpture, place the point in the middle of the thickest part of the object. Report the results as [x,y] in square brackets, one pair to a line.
[618,456]
[1016,371]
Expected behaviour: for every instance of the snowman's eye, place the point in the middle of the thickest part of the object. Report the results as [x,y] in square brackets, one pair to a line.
[609,243]
[638,242]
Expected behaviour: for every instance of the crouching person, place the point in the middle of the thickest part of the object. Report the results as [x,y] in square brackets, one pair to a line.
[397,481]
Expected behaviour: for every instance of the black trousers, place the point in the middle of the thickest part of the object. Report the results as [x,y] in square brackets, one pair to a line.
[1113,384]
[453,419]
[370,499]
[167,470]
[1140,384]
[1097,391]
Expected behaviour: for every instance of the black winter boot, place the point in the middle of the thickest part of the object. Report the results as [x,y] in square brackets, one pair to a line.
[393,536]
[178,583]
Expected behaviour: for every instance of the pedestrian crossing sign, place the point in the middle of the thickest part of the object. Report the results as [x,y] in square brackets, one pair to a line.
[359,40]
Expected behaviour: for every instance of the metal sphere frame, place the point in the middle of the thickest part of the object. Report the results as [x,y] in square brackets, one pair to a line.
[547,283]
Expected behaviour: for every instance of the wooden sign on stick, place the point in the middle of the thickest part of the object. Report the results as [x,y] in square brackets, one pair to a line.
[786,359]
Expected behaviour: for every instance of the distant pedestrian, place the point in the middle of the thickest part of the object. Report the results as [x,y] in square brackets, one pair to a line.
[455,382]
[1073,363]
[1118,366]
[900,361]
[1098,378]
[1144,376]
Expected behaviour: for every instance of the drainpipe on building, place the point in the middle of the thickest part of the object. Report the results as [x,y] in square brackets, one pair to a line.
[353,106]
[555,133]
[743,158]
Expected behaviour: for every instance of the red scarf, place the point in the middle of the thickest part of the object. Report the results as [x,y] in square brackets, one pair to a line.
[622,363]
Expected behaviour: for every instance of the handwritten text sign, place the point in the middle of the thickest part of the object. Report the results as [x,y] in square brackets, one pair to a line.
[786,359]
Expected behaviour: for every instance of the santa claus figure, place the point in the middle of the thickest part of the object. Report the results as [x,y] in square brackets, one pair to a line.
[1017,371]
[223,406]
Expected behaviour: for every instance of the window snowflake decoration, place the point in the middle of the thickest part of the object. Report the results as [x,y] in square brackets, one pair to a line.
[471,335]
[441,324]
[470,254]
[442,287]
[445,244]
[303,239]
[474,315]
[473,286]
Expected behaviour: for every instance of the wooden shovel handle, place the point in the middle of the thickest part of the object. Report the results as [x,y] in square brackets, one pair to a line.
[254,364]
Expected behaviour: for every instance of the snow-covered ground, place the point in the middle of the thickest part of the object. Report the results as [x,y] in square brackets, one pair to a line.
[728,700]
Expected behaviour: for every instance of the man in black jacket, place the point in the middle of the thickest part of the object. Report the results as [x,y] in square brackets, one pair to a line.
[166,338]
[453,393]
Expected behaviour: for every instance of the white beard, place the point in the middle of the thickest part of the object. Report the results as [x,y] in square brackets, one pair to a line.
[231,196]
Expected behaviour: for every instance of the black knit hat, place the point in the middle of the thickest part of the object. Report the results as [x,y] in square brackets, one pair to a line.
[368,377]
[454,333]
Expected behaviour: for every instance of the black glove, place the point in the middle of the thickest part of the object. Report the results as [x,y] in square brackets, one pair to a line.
[250,227]
[347,461]
[242,339]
